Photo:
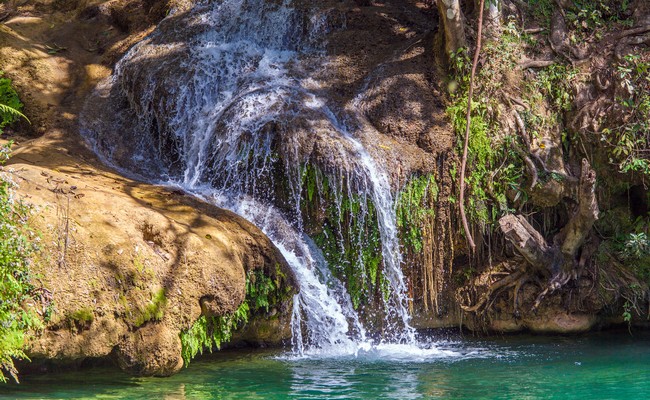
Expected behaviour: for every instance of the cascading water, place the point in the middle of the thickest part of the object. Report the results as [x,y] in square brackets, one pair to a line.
[221,102]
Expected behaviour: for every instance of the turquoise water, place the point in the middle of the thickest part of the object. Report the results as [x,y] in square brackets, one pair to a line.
[597,366]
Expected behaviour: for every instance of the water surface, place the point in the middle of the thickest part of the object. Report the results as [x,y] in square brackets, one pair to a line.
[596,366]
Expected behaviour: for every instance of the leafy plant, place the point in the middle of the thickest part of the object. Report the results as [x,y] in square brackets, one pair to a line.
[347,232]
[630,142]
[414,205]
[10,105]
[210,332]
[15,278]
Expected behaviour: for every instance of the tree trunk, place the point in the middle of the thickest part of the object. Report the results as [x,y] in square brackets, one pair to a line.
[451,18]
[561,255]
[493,20]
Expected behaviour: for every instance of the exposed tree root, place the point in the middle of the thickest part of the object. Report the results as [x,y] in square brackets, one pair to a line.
[504,283]
[556,260]
[524,64]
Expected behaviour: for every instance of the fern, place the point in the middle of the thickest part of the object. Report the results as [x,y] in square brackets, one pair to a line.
[209,332]
[10,105]
[5,109]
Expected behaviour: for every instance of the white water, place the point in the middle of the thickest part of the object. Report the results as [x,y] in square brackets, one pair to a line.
[240,94]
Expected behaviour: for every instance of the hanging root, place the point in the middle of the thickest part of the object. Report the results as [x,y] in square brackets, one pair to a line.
[498,286]
[557,282]
[530,166]
[521,282]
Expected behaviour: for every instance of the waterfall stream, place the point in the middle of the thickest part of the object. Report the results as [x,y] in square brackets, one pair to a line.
[222,102]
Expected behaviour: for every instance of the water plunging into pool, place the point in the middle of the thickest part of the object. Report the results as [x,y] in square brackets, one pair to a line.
[222,102]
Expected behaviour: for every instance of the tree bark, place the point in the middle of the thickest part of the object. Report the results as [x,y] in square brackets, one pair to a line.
[561,255]
[573,235]
[493,20]
[453,25]
[528,242]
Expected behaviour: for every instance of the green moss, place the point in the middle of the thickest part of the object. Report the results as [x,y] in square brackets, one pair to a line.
[84,315]
[263,290]
[345,227]
[414,206]
[154,309]
[80,319]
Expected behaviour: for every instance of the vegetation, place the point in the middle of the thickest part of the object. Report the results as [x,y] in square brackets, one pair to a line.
[415,206]
[16,286]
[344,226]
[16,249]
[154,309]
[81,319]
[210,332]
[495,175]
[10,105]
[630,141]
[531,148]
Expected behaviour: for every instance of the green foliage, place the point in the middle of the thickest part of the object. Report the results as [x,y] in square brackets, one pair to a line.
[626,239]
[555,82]
[542,10]
[10,105]
[347,232]
[15,277]
[209,332]
[584,18]
[154,309]
[414,205]
[494,175]
[590,18]
[263,291]
[634,250]
[630,142]
[493,166]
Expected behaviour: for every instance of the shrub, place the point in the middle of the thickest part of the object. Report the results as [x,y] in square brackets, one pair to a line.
[15,278]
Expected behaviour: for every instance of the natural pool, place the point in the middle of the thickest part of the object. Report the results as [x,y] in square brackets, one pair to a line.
[595,366]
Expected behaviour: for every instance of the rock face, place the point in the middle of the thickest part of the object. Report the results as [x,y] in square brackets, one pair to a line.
[126,266]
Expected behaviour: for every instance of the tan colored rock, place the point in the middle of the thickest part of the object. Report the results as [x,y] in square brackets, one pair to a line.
[559,322]
[124,265]
[153,350]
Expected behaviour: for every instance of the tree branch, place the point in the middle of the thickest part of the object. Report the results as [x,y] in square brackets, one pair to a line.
[573,235]
[528,242]
[523,64]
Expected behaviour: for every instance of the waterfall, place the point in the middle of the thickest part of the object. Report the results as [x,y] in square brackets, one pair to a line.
[222,102]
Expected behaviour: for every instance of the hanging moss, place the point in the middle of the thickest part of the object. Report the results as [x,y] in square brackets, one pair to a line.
[345,227]
[262,291]
[414,206]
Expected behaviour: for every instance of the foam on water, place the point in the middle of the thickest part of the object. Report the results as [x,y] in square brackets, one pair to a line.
[240,92]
